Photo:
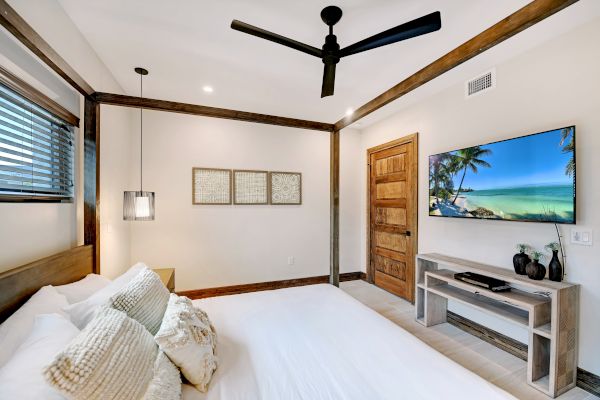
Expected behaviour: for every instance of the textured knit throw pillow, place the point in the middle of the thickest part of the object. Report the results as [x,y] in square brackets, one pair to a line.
[189,339]
[166,383]
[112,358]
[144,299]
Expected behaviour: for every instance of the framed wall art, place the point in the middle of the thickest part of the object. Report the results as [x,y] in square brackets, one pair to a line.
[211,186]
[285,188]
[250,187]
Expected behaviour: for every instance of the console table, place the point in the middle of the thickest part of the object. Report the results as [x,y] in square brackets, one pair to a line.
[548,310]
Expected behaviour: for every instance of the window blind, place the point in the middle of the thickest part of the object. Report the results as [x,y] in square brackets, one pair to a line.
[36,151]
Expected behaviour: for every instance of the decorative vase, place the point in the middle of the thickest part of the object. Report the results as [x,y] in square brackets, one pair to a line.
[535,270]
[520,261]
[555,270]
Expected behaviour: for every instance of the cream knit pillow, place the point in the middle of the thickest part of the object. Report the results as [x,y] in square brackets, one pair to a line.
[188,338]
[144,299]
[112,358]
[166,383]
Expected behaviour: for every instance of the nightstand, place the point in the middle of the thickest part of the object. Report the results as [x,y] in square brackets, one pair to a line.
[167,276]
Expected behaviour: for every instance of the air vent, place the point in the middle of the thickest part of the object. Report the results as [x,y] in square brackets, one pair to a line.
[481,84]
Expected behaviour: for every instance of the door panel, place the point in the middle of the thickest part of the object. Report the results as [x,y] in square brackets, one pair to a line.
[392,217]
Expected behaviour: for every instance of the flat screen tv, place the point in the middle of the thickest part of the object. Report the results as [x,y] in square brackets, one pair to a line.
[529,178]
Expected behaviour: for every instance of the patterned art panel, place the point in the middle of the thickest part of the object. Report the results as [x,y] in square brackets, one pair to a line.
[286,188]
[211,186]
[250,187]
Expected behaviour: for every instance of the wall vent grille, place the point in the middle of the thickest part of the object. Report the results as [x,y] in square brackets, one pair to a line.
[481,84]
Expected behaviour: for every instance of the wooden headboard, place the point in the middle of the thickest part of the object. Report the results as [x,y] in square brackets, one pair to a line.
[18,284]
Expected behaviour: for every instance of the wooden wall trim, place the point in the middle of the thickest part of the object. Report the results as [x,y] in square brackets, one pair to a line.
[334,209]
[205,111]
[585,380]
[20,29]
[35,96]
[522,19]
[257,287]
[91,190]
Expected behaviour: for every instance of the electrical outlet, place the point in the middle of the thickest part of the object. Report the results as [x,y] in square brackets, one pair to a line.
[291,260]
[582,237]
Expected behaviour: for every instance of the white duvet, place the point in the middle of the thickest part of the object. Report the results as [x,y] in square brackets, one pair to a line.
[318,343]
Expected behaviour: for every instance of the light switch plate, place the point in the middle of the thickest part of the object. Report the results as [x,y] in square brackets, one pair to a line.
[582,237]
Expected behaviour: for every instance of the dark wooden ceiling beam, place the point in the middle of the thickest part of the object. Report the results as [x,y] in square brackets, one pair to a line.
[16,25]
[205,111]
[522,19]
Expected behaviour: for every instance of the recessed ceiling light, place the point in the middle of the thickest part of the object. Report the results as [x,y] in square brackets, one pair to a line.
[208,89]
[349,111]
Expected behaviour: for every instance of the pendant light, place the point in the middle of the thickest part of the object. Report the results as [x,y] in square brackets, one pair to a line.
[139,205]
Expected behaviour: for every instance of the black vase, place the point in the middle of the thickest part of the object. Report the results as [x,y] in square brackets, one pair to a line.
[535,270]
[555,270]
[520,261]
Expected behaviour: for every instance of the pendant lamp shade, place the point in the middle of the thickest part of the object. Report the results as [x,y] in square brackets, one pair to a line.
[138,205]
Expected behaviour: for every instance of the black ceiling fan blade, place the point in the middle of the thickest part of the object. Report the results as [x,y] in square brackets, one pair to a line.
[273,37]
[328,80]
[420,26]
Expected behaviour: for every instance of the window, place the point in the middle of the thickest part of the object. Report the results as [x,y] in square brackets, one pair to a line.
[36,151]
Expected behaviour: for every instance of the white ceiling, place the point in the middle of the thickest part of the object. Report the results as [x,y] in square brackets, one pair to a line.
[188,44]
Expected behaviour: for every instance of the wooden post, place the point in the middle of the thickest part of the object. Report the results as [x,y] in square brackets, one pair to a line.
[91,179]
[334,210]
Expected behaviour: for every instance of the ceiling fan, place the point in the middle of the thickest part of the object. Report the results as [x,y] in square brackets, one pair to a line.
[331,53]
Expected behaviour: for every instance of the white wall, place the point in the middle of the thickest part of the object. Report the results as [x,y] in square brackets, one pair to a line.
[551,86]
[31,231]
[226,245]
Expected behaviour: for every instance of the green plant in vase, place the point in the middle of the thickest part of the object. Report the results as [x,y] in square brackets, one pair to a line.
[521,259]
[555,268]
[535,270]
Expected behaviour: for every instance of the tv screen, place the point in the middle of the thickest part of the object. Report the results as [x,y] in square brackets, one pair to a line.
[529,178]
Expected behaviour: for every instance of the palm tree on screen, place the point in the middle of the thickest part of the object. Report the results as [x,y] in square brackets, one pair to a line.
[470,158]
[566,140]
[440,175]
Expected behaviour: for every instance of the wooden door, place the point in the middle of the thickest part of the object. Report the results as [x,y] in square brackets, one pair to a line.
[393,216]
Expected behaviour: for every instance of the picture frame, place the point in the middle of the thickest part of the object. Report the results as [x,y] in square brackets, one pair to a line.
[250,187]
[285,188]
[211,186]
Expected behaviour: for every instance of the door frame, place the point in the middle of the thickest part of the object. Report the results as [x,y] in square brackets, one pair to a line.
[414,226]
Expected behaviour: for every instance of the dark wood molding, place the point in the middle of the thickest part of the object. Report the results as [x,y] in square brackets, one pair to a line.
[205,111]
[91,180]
[257,287]
[18,284]
[35,96]
[334,208]
[585,380]
[20,29]
[522,19]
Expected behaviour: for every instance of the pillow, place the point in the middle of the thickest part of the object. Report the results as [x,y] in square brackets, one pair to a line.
[17,327]
[189,339]
[112,358]
[144,299]
[22,377]
[166,382]
[82,289]
[83,312]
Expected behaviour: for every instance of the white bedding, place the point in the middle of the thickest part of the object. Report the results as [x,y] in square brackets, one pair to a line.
[316,343]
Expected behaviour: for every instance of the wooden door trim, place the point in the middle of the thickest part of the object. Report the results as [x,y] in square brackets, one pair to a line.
[414,171]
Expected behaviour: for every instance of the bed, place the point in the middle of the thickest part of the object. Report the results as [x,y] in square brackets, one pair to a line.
[311,342]
[317,342]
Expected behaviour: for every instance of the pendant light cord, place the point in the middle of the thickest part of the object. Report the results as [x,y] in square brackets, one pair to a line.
[141,131]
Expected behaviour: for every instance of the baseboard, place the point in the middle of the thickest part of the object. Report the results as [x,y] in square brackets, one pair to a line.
[585,380]
[256,287]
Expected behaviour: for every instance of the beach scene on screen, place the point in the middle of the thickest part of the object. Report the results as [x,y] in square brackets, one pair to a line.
[531,178]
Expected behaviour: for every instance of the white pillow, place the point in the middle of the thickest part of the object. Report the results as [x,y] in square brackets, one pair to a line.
[144,299]
[83,312]
[188,338]
[82,289]
[114,357]
[21,377]
[17,327]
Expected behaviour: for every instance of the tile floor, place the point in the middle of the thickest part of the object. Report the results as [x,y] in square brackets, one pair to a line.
[489,362]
